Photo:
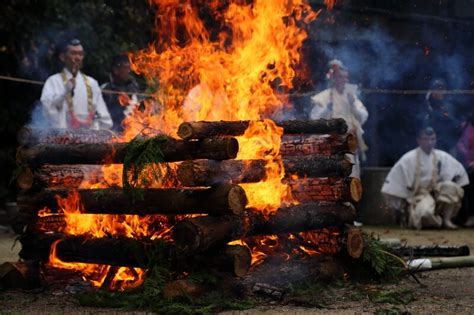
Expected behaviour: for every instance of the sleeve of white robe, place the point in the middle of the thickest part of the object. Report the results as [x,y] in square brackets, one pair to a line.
[400,179]
[52,98]
[359,111]
[104,120]
[452,170]
[321,106]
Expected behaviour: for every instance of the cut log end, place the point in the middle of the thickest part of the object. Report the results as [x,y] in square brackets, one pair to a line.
[185,131]
[355,242]
[242,257]
[25,179]
[237,200]
[232,147]
[356,189]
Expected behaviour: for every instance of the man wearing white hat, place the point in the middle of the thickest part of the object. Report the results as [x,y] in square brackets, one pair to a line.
[340,101]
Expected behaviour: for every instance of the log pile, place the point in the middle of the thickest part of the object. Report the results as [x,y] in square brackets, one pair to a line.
[316,169]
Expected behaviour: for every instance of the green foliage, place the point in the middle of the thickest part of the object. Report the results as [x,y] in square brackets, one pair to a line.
[149,297]
[393,310]
[396,296]
[142,160]
[377,259]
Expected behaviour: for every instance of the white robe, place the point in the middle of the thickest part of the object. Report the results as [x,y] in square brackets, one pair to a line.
[55,107]
[432,194]
[400,181]
[331,104]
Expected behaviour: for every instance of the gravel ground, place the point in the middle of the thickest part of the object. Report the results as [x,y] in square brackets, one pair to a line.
[442,292]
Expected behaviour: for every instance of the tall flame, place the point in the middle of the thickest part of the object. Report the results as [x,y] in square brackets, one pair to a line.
[212,60]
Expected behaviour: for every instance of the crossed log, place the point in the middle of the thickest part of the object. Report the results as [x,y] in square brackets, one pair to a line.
[216,148]
[201,233]
[203,129]
[218,200]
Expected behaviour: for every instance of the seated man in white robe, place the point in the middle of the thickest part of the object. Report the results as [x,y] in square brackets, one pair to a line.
[425,185]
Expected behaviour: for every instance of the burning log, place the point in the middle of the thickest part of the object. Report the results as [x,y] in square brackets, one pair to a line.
[129,252]
[219,148]
[326,189]
[218,200]
[200,233]
[302,145]
[207,172]
[33,136]
[203,129]
[59,176]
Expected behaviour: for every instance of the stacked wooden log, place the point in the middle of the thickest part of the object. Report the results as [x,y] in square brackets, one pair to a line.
[55,162]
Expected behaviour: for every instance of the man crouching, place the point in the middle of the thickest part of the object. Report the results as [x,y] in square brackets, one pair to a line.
[425,185]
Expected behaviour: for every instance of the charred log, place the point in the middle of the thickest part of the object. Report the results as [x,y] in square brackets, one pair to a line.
[201,233]
[33,136]
[218,200]
[59,176]
[130,252]
[203,129]
[207,172]
[109,153]
[303,145]
[326,189]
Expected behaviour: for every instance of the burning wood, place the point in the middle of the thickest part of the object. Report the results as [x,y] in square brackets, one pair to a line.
[33,136]
[326,189]
[204,129]
[301,145]
[60,176]
[128,252]
[218,200]
[208,172]
[200,233]
[107,153]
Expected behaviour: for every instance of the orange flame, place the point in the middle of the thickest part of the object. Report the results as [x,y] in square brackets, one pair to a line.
[228,71]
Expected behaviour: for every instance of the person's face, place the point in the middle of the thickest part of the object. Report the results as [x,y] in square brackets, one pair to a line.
[73,57]
[341,77]
[122,72]
[427,142]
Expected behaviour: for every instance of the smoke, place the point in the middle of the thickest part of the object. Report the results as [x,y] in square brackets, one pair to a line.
[38,118]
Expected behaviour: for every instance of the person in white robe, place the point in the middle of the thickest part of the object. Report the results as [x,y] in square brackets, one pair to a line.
[425,185]
[340,101]
[71,99]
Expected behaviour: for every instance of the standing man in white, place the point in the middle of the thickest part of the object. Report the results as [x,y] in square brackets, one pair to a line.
[340,101]
[70,98]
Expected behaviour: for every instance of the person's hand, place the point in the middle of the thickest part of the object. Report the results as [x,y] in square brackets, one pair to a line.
[70,85]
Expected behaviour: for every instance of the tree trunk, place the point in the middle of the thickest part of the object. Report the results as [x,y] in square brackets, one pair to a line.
[207,172]
[110,153]
[303,145]
[201,233]
[33,136]
[203,129]
[218,200]
[326,189]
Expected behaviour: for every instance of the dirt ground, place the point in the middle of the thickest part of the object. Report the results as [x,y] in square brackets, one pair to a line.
[448,291]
